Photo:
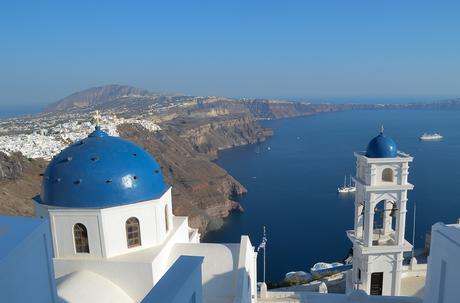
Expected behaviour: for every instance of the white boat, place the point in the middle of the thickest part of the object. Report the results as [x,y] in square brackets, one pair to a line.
[321,269]
[344,188]
[430,137]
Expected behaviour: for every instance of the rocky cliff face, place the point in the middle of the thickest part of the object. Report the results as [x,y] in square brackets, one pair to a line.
[211,135]
[12,166]
[19,181]
[201,189]
[269,109]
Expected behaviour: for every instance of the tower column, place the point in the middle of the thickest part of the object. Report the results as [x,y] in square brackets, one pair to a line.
[401,222]
[397,275]
[387,218]
[368,225]
[358,220]
[400,227]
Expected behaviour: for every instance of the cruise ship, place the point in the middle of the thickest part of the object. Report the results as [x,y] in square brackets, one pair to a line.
[430,137]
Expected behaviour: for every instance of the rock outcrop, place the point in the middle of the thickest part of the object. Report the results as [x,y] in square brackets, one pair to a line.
[202,190]
[20,181]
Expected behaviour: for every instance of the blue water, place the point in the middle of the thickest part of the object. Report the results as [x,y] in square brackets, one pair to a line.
[292,187]
[9,111]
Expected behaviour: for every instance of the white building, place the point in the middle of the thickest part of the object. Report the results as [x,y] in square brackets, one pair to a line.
[26,266]
[442,284]
[380,217]
[114,234]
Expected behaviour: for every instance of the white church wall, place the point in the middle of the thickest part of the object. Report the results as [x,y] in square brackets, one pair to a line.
[384,263]
[62,225]
[220,268]
[180,284]
[395,169]
[135,278]
[135,275]
[246,284]
[151,221]
[443,275]
[180,234]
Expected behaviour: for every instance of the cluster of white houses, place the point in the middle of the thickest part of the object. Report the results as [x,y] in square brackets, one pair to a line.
[47,142]
[105,232]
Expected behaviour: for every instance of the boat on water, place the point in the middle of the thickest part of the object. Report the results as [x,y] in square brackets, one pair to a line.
[430,137]
[346,188]
[298,275]
[321,269]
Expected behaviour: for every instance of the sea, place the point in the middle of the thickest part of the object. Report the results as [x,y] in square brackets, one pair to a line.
[11,111]
[292,179]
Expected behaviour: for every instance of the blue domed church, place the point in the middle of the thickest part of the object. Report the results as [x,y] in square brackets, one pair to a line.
[114,234]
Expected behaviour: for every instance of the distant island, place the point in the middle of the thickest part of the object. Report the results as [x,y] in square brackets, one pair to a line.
[184,133]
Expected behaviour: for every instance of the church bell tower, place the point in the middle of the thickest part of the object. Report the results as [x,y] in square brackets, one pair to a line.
[380,217]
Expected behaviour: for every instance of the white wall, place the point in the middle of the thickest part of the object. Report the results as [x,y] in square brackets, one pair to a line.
[376,263]
[62,227]
[26,271]
[134,275]
[443,274]
[181,284]
[151,216]
[107,227]
[246,284]
[179,235]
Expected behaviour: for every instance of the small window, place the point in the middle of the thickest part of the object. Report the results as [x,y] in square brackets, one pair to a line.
[80,235]
[133,232]
[166,218]
[387,175]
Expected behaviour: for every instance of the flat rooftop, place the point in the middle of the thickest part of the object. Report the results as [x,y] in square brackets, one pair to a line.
[13,230]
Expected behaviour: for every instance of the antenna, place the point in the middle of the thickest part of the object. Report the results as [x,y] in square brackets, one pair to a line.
[413,231]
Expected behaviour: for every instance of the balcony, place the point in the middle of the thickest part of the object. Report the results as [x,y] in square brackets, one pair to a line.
[380,242]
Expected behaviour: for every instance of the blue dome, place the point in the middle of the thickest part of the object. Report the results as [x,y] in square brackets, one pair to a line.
[381,147]
[101,171]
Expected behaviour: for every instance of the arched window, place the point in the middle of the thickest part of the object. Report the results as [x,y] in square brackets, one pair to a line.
[166,218]
[80,235]
[387,175]
[133,232]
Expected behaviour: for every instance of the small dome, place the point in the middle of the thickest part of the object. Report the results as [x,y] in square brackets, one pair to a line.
[101,171]
[381,147]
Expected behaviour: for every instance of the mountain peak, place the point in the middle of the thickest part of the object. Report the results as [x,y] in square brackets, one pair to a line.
[95,96]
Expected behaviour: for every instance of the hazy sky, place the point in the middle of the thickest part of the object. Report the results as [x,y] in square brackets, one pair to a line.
[318,49]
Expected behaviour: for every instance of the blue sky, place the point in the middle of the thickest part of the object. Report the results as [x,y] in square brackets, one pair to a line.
[321,50]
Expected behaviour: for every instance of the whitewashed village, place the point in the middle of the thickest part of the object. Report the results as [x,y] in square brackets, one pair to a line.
[38,140]
[104,231]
